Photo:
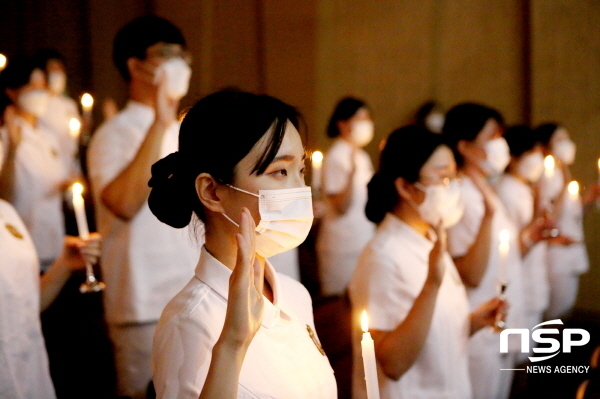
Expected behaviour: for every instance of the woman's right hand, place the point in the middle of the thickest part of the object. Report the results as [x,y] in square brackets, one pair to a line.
[245,305]
[437,267]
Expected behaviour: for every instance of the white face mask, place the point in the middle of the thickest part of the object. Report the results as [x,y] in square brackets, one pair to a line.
[34,101]
[57,82]
[565,150]
[497,156]
[286,217]
[435,122]
[362,132]
[178,77]
[442,203]
[531,167]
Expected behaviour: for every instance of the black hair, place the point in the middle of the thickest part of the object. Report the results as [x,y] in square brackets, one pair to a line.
[520,139]
[423,112]
[134,39]
[406,151]
[43,56]
[344,110]
[545,131]
[215,135]
[464,122]
[16,74]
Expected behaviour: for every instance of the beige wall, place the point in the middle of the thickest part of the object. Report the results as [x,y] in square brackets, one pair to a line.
[533,59]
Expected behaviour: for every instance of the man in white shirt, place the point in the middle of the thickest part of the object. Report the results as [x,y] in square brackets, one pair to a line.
[144,262]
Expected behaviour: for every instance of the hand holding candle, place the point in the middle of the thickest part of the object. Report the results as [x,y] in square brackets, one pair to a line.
[369,362]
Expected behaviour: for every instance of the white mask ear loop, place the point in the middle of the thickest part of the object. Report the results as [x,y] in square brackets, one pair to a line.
[243,191]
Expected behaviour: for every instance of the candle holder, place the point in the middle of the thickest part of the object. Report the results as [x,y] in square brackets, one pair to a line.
[500,322]
[91,284]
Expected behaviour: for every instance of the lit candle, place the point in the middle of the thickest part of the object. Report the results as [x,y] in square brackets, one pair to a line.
[368,354]
[503,248]
[549,165]
[2,62]
[87,102]
[74,127]
[79,207]
[573,189]
[317,163]
[599,170]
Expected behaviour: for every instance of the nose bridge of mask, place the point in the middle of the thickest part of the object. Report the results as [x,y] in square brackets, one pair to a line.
[275,205]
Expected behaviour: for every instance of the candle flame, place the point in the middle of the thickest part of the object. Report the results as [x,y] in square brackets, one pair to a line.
[2,61]
[87,101]
[573,188]
[317,157]
[74,126]
[599,163]
[549,162]
[77,188]
[364,321]
[504,236]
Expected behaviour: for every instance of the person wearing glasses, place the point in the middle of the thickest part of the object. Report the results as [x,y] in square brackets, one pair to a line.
[144,262]
[405,279]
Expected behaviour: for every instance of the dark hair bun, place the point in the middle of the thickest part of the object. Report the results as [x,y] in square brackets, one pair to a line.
[168,199]
[382,197]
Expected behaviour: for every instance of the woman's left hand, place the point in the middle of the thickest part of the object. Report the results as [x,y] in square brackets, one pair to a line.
[76,251]
[486,313]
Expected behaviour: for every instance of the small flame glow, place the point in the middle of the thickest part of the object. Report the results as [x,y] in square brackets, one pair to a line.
[2,61]
[317,157]
[573,188]
[364,321]
[598,163]
[77,188]
[74,126]
[549,162]
[504,236]
[87,101]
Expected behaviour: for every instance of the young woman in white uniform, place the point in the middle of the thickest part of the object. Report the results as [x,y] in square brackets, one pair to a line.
[24,372]
[515,189]
[233,148]
[34,174]
[347,169]
[406,281]
[568,257]
[474,133]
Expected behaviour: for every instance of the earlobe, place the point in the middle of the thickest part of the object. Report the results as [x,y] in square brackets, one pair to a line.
[206,189]
[401,188]
[131,66]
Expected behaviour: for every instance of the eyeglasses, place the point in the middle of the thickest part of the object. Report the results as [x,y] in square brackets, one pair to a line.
[446,181]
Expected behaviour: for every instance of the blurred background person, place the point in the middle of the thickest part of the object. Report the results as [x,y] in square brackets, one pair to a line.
[516,191]
[431,117]
[567,256]
[347,169]
[474,132]
[34,174]
[61,108]
[144,262]
[417,304]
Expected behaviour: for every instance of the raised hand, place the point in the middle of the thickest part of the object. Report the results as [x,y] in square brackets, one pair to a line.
[436,263]
[245,304]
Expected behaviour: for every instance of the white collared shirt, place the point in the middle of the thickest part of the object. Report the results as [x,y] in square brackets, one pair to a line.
[389,277]
[282,360]
[39,174]
[144,262]
[518,200]
[24,372]
[350,232]
[460,238]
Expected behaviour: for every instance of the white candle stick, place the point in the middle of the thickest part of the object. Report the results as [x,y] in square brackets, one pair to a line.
[503,248]
[368,354]
[74,127]
[317,163]
[79,207]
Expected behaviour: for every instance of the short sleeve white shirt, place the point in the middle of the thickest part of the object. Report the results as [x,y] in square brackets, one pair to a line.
[39,174]
[24,369]
[349,232]
[61,109]
[283,361]
[144,262]
[518,200]
[389,277]
[460,238]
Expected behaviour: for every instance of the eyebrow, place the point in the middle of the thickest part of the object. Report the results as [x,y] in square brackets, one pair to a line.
[288,158]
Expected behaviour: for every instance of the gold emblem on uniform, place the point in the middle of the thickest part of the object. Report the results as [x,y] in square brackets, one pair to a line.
[13,230]
[312,336]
